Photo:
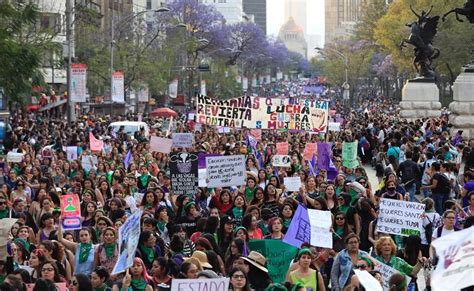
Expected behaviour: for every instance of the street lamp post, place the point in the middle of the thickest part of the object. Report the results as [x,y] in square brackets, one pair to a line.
[345,86]
[112,43]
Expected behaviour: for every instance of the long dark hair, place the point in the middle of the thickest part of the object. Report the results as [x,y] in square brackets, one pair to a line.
[83,282]
[412,249]
[247,285]
[258,278]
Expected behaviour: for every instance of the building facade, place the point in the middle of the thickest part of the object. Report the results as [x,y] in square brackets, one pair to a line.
[232,10]
[292,35]
[341,17]
[257,8]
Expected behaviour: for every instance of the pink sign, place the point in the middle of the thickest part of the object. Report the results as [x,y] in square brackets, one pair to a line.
[96,145]
[310,150]
[282,148]
[256,133]
[162,145]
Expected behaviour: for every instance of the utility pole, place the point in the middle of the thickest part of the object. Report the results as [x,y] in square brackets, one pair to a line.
[112,43]
[70,45]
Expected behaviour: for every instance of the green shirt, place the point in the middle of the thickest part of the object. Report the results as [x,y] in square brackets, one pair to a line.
[398,264]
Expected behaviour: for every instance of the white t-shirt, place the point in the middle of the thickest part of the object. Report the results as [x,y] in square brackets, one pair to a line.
[443,232]
[432,217]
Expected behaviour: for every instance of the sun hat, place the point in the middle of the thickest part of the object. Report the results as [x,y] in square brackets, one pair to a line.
[202,258]
[257,260]
[195,261]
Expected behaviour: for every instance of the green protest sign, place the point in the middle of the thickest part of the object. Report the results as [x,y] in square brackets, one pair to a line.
[349,155]
[278,254]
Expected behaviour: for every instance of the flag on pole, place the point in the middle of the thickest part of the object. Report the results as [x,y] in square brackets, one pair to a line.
[96,145]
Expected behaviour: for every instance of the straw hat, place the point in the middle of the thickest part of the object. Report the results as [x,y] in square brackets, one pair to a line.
[256,259]
[202,258]
[196,262]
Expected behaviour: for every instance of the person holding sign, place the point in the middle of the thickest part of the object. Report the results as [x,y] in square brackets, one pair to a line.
[386,250]
[138,280]
[309,278]
[84,251]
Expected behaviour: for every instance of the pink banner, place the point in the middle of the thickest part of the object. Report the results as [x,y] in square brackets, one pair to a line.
[162,145]
[71,212]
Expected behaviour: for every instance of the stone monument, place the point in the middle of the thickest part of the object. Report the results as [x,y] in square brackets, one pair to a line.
[462,107]
[420,96]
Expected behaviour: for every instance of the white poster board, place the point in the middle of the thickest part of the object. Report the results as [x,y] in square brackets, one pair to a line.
[216,284]
[400,217]
[78,82]
[281,161]
[321,222]
[14,157]
[118,85]
[160,144]
[225,171]
[183,140]
[292,184]
[129,233]
[71,153]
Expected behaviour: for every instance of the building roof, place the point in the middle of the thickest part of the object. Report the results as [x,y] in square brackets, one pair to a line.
[291,26]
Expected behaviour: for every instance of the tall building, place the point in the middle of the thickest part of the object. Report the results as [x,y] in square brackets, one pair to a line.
[296,9]
[341,17]
[257,8]
[231,9]
[292,35]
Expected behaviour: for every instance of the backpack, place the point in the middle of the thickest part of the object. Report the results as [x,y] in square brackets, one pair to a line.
[429,230]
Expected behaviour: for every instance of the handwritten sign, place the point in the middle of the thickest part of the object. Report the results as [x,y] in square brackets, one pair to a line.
[71,212]
[292,184]
[334,126]
[161,145]
[129,234]
[281,161]
[183,140]
[368,281]
[88,162]
[310,150]
[386,272]
[400,217]
[282,148]
[349,155]
[216,284]
[184,173]
[225,171]
[14,157]
[278,254]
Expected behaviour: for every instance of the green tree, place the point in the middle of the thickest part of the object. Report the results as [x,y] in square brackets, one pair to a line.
[22,45]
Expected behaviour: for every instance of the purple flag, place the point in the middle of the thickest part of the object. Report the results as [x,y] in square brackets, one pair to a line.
[332,172]
[127,159]
[299,230]
[324,156]
[311,165]
[202,159]
[260,160]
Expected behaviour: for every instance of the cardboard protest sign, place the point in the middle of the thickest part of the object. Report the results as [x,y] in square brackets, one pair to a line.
[225,171]
[184,173]
[183,140]
[282,148]
[368,281]
[264,113]
[88,162]
[400,217]
[310,150]
[292,184]
[334,126]
[96,145]
[129,233]
[349,155]
[14,157]
[386,271]
[161,145]
[455,267]
[216,284]
[71,212]
[310,225]
[278,254]
[281,161]
[71,153]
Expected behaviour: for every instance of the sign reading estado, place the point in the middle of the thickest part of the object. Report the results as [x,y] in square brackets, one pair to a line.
[184,173]
[225,171]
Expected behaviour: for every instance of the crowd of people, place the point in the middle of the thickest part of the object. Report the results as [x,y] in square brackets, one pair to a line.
[206,234]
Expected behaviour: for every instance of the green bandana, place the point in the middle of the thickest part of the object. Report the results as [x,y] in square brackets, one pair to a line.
[148,252]
[287,222]
[139,284]
[344,208]
[161,225]
[84,250]
[109,249]
[144,179]
[238,212]
[340,231]
[24,242]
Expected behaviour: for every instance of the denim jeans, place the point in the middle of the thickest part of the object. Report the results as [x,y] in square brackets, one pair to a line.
[439,200]
[411,189]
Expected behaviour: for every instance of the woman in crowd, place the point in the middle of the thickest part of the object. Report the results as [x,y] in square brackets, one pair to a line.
[275,227]
[238,280]
[136,278]
[84,250]
[99,278]
[307,277]
[107,253]
[386,250]
[249,222]
[162,270]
